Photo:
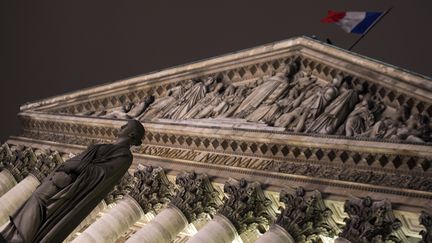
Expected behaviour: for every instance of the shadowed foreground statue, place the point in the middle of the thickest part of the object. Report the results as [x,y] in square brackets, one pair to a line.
[69,194]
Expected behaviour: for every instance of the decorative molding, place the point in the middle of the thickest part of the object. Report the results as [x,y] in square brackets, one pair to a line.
[280,158]
[246,206]
[195,196]
[305,219]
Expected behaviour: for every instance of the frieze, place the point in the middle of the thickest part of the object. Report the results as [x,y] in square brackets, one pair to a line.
[363,160]
[287,166]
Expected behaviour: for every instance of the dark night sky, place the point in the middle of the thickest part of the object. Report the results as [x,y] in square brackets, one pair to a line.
[53,47]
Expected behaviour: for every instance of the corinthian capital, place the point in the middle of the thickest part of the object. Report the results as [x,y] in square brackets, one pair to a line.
[195,196]
[305,218]
[426,221]
[152,188]
[246,206]
[370,221]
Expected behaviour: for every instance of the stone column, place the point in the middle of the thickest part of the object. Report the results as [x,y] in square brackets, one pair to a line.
[246,207]
[218,230]
[151,190]
[16,196]
[88,220]
[302,218]
[196,195]
[370,221]
[7,181]
[112,224]
[163,228]
[276,234]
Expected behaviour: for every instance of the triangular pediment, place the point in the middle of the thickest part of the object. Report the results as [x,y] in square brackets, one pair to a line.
[298,86]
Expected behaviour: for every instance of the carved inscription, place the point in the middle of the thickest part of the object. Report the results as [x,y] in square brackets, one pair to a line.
[210,158]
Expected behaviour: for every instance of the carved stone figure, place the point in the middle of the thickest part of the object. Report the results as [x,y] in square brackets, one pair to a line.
[335,113]
[205,107]
[68,194]
[363,117]
[311,104]
[163,104]
[246,206]
[305,218]
[369,221]
[270,89]
[189,99]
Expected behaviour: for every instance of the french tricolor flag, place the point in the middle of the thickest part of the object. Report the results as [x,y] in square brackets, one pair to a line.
[352,22]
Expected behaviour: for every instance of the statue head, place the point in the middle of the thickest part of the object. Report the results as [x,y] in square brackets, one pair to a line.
[131,133]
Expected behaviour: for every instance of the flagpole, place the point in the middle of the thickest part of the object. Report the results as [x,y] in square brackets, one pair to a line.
[367,31]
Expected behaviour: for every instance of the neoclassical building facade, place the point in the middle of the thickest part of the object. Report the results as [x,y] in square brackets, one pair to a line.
[294,141]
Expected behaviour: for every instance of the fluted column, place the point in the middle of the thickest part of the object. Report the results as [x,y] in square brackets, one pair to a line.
[7,181]
[87,220]
[218,230]
[114,223]
[196,195]
[152,189]
[302,218]
[245,207]
[16,196]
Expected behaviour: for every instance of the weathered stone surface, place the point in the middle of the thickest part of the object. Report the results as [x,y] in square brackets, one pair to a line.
[370,221]
[305,218]
[152,189]
[246,206]
[195,196]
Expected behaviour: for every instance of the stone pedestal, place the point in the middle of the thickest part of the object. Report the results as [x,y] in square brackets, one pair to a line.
[218,230]
[163,228]
[113,224]
[7,181]
[276,234]
[16,196]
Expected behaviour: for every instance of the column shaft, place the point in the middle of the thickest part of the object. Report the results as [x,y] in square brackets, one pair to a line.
[163,228]
[7,181]
[342,240]
[218,230]
[16,196]
[88,220]
[276,234]
[113,224]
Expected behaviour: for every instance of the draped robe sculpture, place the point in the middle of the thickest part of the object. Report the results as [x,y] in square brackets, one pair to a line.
[69,194]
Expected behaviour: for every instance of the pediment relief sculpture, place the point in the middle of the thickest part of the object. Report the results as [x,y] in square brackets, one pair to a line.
[295,100]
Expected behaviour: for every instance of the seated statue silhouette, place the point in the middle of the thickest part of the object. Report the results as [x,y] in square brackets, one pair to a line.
[70,193]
